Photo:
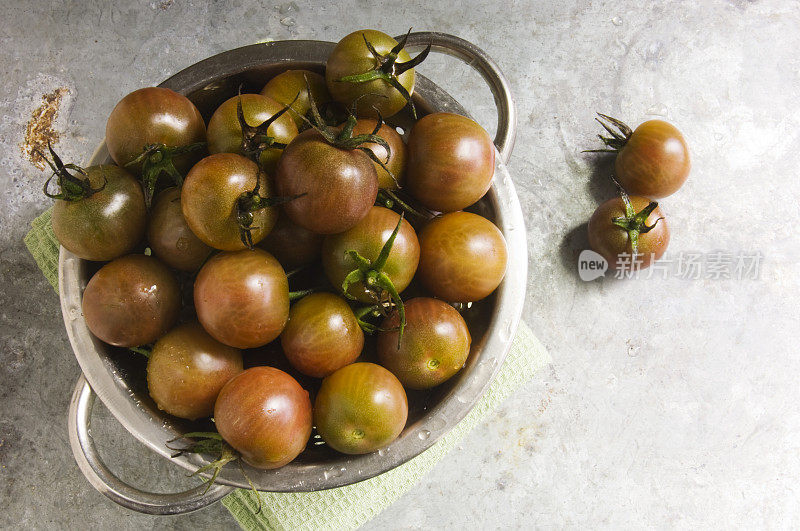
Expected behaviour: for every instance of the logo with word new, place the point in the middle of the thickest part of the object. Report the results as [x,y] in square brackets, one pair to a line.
[591,265]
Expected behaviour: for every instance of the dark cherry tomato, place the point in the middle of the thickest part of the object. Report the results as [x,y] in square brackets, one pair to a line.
[292,244]
[225,132]
[209,198]
[351,56]
[154,115]
[450,162]
[340,185]
[398,153]
[360,408]
[368,237]
[434,347]
[131,301]
[265,415]
[170,238]
[187,369]
[108,223]
[285,86]
[322,335]
[611,241]
[242,298]
[654,162]
[462,257]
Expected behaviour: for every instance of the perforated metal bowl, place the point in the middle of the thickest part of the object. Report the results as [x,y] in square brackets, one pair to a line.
[118,378]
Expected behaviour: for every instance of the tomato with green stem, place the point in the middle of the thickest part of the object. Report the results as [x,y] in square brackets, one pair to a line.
[450,162]
[651,161]
[375,70]
[223,204]
[435,345]
[169,236]
[392,172]
[629,231]
[131,301]
[463,257]
[186,370]
[265,415]
[293,88]
[252,125]
[322,335]
[242,298]
[360,408]
[155,130]
[99,213]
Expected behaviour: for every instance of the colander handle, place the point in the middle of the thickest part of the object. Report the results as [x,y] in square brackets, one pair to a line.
[102,479]
[498,84]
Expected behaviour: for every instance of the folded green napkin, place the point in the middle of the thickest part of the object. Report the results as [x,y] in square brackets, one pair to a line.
[351,506]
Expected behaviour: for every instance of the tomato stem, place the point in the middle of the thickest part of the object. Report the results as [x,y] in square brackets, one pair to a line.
[72,187]
[634,223]
[156,159]
[619,136]
[255,138]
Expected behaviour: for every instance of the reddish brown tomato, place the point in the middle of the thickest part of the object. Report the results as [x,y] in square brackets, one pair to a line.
[435,343]
[170,238]
[225,133]
[242,298]
[340,185]
[351,56]
[285,86]
[187,369]
[322,335]
[398,153]
[450,162]
[360,408]
[654,162]
[611,241]
[131,301]
[153,115]
[368,238]
[108,223]
[209,198]
[462,258]
[292,244]
[265,415]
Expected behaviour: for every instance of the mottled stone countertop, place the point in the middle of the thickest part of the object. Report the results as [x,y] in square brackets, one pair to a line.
[672,401]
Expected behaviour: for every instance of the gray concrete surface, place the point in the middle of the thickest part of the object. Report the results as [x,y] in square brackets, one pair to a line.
[671,402]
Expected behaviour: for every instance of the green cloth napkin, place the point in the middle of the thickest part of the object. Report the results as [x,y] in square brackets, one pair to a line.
[351,506]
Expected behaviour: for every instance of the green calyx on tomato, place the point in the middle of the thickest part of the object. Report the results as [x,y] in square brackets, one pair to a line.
[156,159]
[634,223]
[374,279]
[255,138]
[618,137]
[250,202]
[72,187]
[388,69]
[391,198]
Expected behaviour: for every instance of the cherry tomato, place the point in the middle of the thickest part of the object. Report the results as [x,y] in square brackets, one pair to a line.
[340,185]
[187,369]
[131,301]
[210,196]
[360,408]
[170,238]
[398,153]
[291,244]
[265,415]
[225,132]
[462,257]
[153,115]
[108,223]
[654,162]
[322,335]
[614,243]
[285,86]
[434,347]
[351,56]
[242,298]
[367,237]
[450,162]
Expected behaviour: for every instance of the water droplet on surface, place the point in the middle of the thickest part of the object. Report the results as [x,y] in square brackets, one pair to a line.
[718,136]
[288,21]
[505,330]
[617,21]
[74,313]
[437,423]
[382,452]
[460,399]
[424,434]
[658,109]
[333,473]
